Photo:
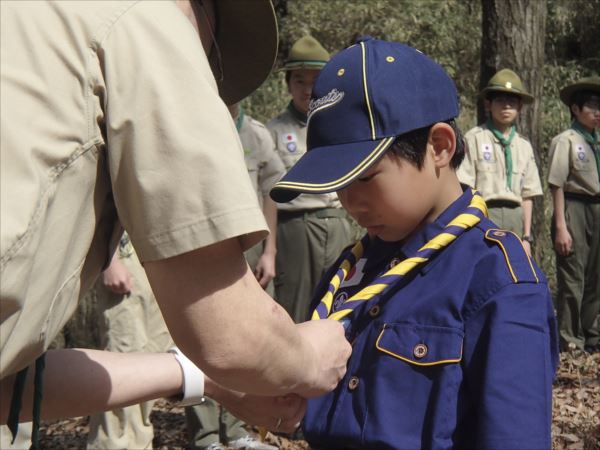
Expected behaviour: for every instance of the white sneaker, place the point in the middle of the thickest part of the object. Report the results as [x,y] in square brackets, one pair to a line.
[248,442]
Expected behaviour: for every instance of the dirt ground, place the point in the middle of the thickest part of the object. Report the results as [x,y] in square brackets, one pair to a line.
[575,425]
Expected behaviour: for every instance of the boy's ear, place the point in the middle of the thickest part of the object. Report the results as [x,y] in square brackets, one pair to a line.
[575,109]
[443,142]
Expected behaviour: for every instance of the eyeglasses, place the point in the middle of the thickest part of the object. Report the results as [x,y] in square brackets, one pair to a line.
[197,6]
[593,105]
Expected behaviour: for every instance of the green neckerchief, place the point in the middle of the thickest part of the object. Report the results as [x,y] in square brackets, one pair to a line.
[299,116]
[506,146]
[590,138]
[240,119]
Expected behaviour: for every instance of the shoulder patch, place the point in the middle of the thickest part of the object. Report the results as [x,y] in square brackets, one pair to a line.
[519,264]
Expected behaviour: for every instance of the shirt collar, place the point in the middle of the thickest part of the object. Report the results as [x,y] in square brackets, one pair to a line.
[430,230]
[299,116]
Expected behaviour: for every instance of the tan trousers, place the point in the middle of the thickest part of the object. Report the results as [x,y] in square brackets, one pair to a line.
[131,323]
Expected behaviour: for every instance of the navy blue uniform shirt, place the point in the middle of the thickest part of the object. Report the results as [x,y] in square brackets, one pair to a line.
[460,355]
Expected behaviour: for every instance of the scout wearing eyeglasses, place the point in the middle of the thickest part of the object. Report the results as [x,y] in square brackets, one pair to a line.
[574,178]
[312,229]
[499,161]
[452,326]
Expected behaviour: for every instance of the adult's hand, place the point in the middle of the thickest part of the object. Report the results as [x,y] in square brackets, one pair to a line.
[332,351]
[282,413]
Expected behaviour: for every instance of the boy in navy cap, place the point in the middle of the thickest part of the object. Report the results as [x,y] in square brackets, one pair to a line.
[452,326]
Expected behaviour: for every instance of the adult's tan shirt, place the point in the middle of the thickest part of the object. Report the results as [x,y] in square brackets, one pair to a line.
[573,165]
[290,141]
[107,108]
[263,163]
[484,167]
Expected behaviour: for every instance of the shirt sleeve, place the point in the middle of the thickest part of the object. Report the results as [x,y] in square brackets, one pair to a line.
[559,160]
[510,359]
[176,164]
[466,170]
[532,186]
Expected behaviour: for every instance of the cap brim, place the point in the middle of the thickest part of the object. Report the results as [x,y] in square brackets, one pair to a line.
[247,39]
[329,168]
[525,97]
[567,92]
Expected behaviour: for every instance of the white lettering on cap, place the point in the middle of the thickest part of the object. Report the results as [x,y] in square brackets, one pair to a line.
[334,96]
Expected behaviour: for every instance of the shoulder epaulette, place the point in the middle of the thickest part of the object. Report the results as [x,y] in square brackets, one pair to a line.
[518,262]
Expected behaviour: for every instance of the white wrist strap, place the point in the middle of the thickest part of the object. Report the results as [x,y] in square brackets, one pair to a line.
[193,379]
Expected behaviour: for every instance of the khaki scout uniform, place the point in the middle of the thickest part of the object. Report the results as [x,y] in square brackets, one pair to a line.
[312,229]
[264,167]
[100,113]
[484,168]
[573,167]
[209,423]
[128,323]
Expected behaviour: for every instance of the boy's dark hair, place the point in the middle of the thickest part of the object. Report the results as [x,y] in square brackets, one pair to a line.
[411,146]
[579,98]
[288,75]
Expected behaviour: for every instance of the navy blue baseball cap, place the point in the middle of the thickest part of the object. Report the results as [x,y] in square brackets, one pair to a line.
[364,97]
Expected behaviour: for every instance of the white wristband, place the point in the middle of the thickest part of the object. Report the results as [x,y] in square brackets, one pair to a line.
[193,379]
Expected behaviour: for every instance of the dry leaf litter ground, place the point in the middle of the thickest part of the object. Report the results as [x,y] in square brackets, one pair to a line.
[575,424]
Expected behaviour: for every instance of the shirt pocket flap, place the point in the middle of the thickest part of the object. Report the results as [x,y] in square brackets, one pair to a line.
[421,345]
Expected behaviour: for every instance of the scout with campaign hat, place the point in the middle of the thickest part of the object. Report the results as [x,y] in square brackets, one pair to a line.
[311,220]
[574,178]
[499,161]
[119,138]
[444,311]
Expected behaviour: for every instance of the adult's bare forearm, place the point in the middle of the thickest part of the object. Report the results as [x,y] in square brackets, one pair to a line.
[79,382]
[222,319]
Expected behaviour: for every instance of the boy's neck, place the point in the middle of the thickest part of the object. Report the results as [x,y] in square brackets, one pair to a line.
[450,190]
[504,129]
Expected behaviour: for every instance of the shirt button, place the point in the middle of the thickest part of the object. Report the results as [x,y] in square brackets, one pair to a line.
[374,311]
[420,351]
[353,383]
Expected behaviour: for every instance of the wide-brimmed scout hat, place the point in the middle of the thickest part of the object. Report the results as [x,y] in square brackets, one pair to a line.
[366,96]
[306,53]
[246,35]
[506,80]
[584,84]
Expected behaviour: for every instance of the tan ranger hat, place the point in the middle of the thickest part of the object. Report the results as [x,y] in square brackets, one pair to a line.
[506,80]
[306,53]
[585,84]
[247,40]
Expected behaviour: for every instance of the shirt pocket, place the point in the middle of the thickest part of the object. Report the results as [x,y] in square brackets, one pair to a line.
[485,166]
[421,345]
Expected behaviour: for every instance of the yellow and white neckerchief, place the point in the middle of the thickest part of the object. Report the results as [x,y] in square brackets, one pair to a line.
[470,217]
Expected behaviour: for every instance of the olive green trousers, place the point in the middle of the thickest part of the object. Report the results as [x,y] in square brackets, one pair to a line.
[578,277]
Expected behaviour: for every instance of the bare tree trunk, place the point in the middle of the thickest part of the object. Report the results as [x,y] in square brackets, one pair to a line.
[512,37]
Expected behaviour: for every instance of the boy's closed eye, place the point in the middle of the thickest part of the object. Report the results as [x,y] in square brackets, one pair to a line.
[368,177]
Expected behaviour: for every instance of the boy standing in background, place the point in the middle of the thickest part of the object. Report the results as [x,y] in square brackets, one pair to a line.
[574,178]
[499,162]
